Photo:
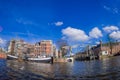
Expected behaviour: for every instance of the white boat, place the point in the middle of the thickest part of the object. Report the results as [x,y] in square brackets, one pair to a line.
[11,57]
[41,59]
[35,59]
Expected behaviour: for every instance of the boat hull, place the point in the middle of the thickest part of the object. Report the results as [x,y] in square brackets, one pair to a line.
[42,60]
[47,60]
[10,57]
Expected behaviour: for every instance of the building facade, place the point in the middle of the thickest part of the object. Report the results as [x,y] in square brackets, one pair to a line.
[17,47]
[44,48]
[11,47]
[107,49]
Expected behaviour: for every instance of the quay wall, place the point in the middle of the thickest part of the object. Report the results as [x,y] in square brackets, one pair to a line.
[59,60]
[71,59]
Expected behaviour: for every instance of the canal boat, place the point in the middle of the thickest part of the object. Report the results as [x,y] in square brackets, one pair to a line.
[32,59]
[41,59]
[11,57]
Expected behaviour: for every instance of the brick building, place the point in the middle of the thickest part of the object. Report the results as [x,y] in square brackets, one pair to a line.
[17,47]
[44,47]
[108,48]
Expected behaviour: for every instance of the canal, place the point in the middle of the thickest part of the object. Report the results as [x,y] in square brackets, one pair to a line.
[106,69]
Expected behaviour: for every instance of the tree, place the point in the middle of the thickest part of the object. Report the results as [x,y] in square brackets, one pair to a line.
[61,46]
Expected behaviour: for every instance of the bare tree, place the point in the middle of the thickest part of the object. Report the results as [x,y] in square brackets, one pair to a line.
[61,44]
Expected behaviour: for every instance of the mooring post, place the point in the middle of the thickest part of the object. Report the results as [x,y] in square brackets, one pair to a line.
[51,60]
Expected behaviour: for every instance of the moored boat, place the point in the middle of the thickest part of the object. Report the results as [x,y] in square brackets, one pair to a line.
[32,59]
[11,57]
[41,59]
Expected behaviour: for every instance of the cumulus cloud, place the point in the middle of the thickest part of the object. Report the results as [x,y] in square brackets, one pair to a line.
[59,23]
[95,33]
[110,28]
[115,35]
[74,34]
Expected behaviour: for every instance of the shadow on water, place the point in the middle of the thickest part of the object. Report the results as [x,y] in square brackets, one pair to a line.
[107,69]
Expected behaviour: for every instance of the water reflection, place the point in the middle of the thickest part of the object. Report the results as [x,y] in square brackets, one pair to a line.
[3,71]
[98,69]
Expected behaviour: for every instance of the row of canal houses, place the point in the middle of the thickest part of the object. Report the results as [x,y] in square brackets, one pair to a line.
[41,48]
[20,48]
[101,50]
[46,47]
[110,49]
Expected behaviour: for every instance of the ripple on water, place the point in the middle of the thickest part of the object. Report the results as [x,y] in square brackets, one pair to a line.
[90,70]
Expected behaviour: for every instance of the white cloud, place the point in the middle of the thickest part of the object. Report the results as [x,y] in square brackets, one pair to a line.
[106,7]
[59,23]
[95,33]
[110,28]
[25,34]
[112,9]
[97,42]
[26,22]
[2,41]
[116,10]
[74,34]
[63,38]
[115,35]
[75,46]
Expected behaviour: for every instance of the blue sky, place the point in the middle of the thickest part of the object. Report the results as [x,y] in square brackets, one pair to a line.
[77,21]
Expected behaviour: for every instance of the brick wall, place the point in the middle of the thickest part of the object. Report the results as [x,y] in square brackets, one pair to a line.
[115,49]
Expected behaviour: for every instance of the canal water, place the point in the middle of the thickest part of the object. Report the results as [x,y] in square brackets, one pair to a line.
[106,69]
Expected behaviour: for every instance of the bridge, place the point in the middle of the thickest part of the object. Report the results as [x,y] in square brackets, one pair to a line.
[70,59]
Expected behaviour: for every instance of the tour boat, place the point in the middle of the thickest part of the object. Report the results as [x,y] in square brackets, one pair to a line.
[11,57]
[41,59]
[33,59]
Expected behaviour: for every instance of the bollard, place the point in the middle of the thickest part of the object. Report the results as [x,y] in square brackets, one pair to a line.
[51,60]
